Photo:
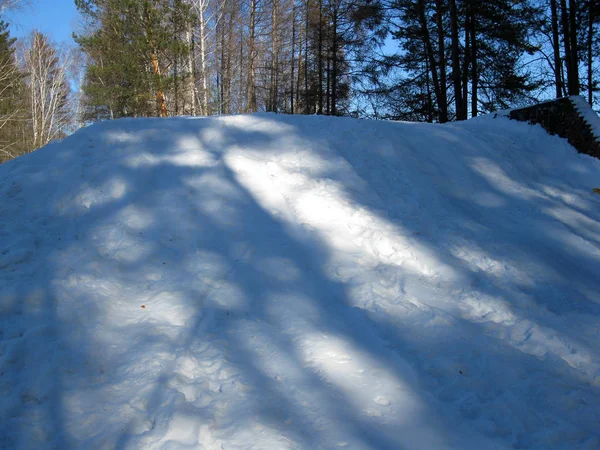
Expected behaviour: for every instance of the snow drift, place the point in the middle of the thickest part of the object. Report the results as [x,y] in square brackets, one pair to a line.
[278,282]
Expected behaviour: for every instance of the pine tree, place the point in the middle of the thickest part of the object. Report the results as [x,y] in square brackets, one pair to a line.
[12,100]
[469,51]
[135,56]
[499,37]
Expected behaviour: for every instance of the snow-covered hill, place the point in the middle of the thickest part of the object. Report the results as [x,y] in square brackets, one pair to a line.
[273,282]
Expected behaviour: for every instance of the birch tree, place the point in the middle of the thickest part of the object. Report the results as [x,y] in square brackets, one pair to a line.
[47,71]
[201,10]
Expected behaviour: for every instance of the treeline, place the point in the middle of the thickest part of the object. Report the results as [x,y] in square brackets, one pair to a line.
[423,60]
[462,58]
[171,57]
[36,105]
[426,60]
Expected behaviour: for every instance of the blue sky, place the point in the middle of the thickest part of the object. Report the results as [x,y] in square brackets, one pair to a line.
[56,18]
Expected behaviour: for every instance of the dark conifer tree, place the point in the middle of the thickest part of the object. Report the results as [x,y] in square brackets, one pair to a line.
[135,56]
[13,115]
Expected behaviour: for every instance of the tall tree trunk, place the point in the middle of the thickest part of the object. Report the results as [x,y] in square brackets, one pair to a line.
[306,103]
[222,109]
[567,43]
[241,80]
[328,81]
[334,58]
[328,84]
[203,71]
[292,63]
[176,70]
[428,90]
[432,65]
[590,44]
[458,100]
[276,80]
[251,95]
[299,77]
[274,56]
[176,76]
[160,96]
[474,65]
[320,59]
[443,99]
[218,82]
[466,62]
[574,47]
[229,53]
[556,49]
[191,70]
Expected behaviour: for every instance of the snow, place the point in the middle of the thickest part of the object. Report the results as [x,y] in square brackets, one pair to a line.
[276,282]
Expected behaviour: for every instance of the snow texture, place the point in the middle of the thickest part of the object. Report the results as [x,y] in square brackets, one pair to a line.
[273,282]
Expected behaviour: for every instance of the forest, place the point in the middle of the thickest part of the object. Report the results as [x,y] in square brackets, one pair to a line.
[414,60]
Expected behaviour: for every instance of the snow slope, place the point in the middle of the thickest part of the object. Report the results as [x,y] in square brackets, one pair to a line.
[274,282]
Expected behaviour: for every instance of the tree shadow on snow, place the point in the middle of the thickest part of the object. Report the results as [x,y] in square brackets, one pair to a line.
[178,302]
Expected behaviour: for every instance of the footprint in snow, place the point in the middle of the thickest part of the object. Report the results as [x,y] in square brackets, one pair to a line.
[382,401]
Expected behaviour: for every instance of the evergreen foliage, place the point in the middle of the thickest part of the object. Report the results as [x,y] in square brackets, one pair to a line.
[12,103]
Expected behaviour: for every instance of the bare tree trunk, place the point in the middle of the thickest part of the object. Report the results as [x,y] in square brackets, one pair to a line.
[228,77]
[466,62]
[567,43]
[334,57]
[474,66]
[251,95]
[432,65]
[218,82]
[292,63]
[241,80]
[574,83]
[176,84]
[306,103]
[160,96]
[320,59]
[590,44]
[299,77]
[203,73]
[556,50]
[443,99]
[191,71]
[428,89]
[456,76]
[276,87]
[328,85]
[272,103]
[222,109]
